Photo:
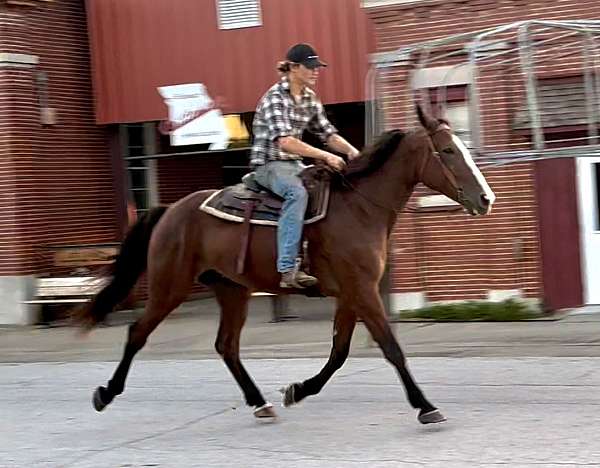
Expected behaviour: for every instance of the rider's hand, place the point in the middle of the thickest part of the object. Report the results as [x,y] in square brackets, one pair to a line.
[335,162]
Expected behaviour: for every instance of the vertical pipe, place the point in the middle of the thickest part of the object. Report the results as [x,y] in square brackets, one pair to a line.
[588,81]
[474,100]
[593,87]
[370,106]
[527,64]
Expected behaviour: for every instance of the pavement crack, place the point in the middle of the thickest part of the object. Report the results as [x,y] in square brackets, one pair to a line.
[94,452]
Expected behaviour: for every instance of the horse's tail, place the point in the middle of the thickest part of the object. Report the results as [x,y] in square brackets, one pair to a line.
[127,268]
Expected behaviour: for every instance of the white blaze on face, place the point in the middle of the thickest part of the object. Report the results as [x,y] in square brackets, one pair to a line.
[475,170]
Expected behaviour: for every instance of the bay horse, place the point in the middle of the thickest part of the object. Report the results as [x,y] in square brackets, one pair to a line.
[347,252]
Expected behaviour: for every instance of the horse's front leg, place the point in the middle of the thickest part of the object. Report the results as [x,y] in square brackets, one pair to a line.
[345,320]
[372,312]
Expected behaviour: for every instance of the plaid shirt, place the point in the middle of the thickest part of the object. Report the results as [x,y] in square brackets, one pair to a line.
[279,115]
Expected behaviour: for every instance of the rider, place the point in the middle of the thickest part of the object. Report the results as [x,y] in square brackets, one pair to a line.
[283,113]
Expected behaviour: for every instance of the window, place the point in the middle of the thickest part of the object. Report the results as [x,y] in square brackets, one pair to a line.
[456,110]
[458,116]
[235,14]
[138,140]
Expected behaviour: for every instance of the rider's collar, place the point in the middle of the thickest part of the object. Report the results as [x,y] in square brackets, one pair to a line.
[285,85]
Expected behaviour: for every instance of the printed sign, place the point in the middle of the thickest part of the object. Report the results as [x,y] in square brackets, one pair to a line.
[193,117]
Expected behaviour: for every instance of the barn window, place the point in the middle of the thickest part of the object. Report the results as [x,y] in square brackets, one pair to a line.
[235,14]
[455,109]
[447,89]
[562,110]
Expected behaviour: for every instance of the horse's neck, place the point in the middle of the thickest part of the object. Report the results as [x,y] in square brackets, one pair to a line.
[386,191]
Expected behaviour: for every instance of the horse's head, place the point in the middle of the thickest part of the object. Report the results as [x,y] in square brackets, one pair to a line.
[449,168]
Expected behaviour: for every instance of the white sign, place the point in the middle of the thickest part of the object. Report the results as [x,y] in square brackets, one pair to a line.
[193,117]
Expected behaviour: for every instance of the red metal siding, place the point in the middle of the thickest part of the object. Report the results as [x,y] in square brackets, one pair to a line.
[138,46]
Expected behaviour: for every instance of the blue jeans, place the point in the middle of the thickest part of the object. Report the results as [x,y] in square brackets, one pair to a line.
[281,177]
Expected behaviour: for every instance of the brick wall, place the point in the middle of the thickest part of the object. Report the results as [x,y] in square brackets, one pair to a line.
[400,25]
[450,255]
[55,181]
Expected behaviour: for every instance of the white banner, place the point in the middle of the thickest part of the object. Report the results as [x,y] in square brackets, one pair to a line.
[193,118]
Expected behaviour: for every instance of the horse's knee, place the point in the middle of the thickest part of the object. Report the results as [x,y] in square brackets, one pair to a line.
[136,337]
[384,336]
[392,352]
[339,357]
[220,347]
[225,348]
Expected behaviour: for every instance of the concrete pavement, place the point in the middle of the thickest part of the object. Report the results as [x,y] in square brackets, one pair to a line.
[527,412]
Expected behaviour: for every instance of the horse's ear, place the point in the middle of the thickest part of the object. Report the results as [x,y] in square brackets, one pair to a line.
[427,121]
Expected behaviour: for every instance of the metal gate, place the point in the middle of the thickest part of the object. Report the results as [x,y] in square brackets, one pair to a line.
[523,67]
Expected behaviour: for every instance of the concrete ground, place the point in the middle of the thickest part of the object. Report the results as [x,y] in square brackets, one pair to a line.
[523,394]
[527,412]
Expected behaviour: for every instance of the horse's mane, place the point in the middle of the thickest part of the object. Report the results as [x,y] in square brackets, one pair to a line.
[375,155]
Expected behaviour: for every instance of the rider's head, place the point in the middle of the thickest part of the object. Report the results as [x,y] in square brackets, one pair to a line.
[301,65]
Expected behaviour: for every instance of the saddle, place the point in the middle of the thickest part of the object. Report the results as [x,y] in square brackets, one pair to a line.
[250,202]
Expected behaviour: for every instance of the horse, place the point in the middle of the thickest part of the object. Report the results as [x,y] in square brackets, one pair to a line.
[179,244]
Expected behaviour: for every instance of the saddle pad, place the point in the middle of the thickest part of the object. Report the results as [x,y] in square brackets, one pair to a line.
[231,203]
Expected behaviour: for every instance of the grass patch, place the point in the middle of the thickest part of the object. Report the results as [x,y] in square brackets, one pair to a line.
[506,311]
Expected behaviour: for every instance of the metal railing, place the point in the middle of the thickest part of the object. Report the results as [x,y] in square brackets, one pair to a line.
[526,52]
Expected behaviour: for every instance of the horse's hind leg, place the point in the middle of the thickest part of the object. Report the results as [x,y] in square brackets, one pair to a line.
[233,299]
[166,292]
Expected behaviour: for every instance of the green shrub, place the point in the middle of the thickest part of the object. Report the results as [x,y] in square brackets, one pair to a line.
[505,311]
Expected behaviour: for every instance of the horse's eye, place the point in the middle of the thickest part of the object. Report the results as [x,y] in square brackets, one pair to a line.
[448,151]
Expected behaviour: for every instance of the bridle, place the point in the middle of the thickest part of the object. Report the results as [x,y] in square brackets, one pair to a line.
[447,172]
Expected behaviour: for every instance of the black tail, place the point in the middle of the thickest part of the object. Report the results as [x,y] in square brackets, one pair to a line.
[127,268]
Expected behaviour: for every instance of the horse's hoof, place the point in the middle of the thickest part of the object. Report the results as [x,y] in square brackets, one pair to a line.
[99,403]
[265,411]
[289,395]
[431,417]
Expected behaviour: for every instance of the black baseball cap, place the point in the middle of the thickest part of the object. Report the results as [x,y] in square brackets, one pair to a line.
[305,55]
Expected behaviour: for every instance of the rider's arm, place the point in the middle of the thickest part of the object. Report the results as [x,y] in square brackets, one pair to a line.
[280,130]
[339,144]
[293,145]
[322,127]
